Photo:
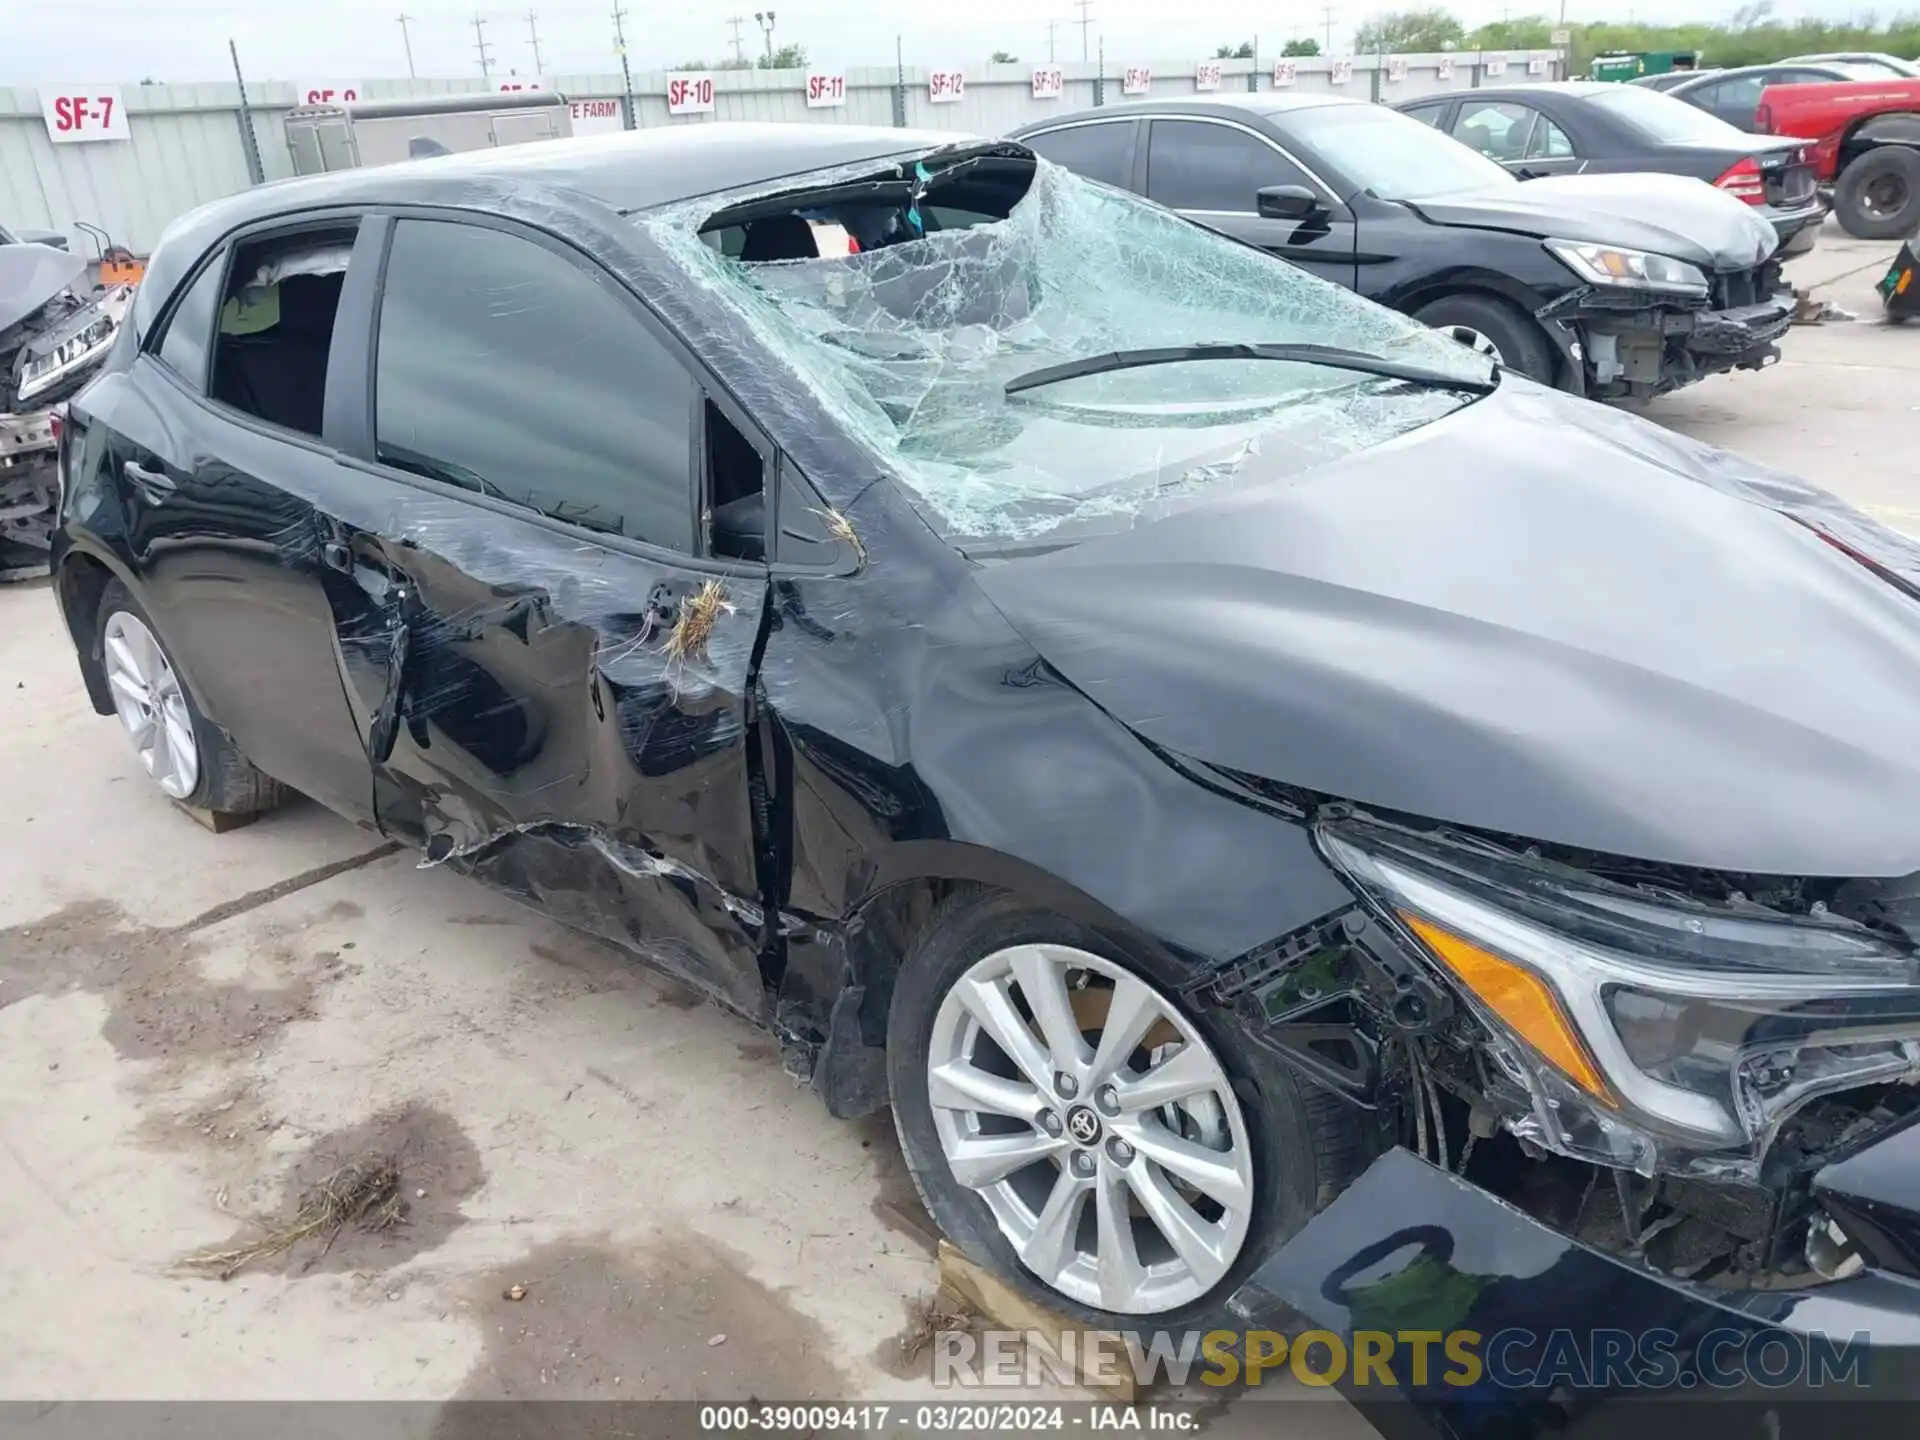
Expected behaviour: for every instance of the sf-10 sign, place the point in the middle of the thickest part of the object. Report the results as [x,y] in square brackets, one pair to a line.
[83,112]
[689,94]
[826,91]
[329,92]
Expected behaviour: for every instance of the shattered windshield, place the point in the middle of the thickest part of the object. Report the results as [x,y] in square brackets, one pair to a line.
[907,297]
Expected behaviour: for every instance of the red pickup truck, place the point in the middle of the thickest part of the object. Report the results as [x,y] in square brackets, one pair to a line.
[1866,144]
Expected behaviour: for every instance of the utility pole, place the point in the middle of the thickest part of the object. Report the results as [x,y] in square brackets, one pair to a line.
[249,141]
[533,34]
[739,45]
[480,44]
[765,18]
[626,75]
[1052,25]
[406,39]
[1085,22]
[1329,11]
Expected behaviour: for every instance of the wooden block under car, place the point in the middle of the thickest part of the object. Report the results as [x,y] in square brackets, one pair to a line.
[1100,1356]
[218,822]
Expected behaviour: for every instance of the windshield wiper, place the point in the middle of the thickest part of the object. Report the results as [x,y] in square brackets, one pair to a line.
[1332,356]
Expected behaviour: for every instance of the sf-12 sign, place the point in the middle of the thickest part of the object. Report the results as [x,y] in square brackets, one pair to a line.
[1206,75]
[336,92]
[690,94]
[1049,82]
[946,87]
[1137,80]
[824,92]
[1396,69]
[83,112]
[595,117]
[1284,72]
[1341,72]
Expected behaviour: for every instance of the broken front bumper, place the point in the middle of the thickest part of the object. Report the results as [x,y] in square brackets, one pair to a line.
[1447,1311]
[1649,350]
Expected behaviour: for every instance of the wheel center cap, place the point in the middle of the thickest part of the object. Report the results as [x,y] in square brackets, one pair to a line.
[1083,1125]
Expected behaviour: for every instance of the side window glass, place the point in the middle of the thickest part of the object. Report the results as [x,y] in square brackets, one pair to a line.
[1548,141]
[1496,128]
[1195,166]
[276,326]
[1099,152]
[189,338]
[505,368]
[1426,114]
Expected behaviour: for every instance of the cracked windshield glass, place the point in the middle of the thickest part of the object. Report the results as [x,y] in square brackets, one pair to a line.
[907,298]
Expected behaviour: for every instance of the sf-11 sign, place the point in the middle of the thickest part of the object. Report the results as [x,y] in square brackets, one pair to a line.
[83,112]
[824,92]
[1049,82]
[690,94]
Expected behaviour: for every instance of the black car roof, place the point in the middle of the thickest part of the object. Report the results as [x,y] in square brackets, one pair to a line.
[1224,107]
[633,170]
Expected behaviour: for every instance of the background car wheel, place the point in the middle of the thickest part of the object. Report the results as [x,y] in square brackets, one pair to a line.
[1113,1150]
[189,758]
[1494,328]
[1878,194]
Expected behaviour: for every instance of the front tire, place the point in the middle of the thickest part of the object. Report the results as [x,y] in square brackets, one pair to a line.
[1109,1148]
[1878,195]
[186,755]
[1501,332]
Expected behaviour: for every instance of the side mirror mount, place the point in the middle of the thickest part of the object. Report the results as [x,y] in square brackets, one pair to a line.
[1287,202]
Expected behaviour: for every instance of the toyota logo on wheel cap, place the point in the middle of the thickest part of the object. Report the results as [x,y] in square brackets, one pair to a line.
[1083,1125]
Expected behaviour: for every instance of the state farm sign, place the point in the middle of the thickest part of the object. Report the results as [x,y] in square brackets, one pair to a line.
[824,92]
[690,94]
[595,117]
[83,112]
[329,92]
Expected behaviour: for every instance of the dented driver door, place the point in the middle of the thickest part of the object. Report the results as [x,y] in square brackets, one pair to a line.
[551,684]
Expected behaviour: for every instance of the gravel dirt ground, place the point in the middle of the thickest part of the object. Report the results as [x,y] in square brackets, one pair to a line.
[194,1028]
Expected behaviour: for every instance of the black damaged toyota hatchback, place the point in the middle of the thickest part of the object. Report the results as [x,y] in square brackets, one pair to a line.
[1273,802]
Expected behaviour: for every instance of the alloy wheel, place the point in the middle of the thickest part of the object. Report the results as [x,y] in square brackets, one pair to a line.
[151,704]
[1886,197]
[1097,1125]
[1475,341]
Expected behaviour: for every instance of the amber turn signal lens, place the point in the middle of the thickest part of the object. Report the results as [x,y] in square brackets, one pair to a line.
[1520,998]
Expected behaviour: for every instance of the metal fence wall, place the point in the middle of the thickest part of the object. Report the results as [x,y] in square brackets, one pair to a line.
[187,143]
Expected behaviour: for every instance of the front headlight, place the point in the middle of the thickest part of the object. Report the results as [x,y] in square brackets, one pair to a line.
[1610,265]
[1650,1030]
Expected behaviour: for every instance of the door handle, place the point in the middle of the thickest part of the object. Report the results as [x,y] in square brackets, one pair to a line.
[156,485]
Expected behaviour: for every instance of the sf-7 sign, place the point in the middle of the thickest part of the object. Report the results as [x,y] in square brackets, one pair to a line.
[83,112]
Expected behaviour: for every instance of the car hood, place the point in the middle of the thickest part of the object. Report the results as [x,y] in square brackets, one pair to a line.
[30,276]
[1697,223]
[1537,616]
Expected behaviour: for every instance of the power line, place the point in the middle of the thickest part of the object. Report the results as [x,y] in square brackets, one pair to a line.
[406,39]
[533,34]
[739,45]
[1085,7]
[480,44]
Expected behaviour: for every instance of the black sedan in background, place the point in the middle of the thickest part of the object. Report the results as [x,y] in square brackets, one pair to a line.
[1734,95]
[1583,127]
[1609,286]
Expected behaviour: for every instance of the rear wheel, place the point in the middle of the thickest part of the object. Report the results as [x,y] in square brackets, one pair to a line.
[188,757]
[1878,195]
[1110,1148]
[1494,328]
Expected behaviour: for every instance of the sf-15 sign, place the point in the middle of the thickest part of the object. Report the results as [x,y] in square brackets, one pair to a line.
[83,112]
